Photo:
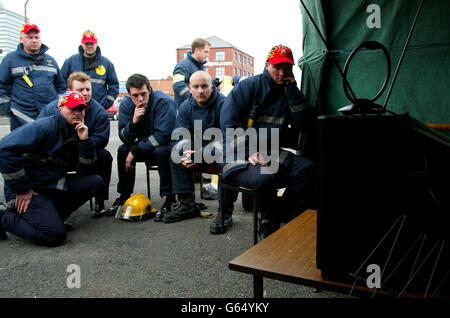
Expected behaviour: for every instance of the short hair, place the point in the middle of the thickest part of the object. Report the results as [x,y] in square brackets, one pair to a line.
[199,43]
[137,81]
[77,76]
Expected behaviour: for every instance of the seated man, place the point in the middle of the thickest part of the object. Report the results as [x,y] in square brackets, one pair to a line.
[146,121]
[270,107]
[97,121]
[47,167]
[201,110]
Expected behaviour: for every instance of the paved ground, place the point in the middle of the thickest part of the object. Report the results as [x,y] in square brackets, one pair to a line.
[143,260]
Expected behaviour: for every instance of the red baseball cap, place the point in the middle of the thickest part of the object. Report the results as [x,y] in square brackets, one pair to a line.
[72,99]
[280,54]
[89,37]
[27,27]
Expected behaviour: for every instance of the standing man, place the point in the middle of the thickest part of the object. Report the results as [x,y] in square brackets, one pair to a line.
[271,106]
[47,167]
[105,84]
[97,121]
[202,107]
[29,78]
[146,121]
[195,60]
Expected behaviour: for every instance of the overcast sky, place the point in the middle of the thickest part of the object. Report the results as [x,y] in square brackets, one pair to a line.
[141,36]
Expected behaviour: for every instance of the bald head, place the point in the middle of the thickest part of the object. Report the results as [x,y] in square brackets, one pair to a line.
[200,75]
[201,87]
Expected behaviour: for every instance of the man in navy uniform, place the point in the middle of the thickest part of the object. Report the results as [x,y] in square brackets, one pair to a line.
[29,78]
[269,103]
[96,119]
[47,167]
[146,121]
[105,84]
[195,60]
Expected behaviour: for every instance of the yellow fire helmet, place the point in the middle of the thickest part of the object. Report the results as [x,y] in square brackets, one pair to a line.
[136,208]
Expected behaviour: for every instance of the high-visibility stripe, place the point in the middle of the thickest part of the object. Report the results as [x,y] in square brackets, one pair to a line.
[4,100]
[153,141]
[22,69]
[87,161]
[298,108]
[98,81]
[183,91]
[61,183]
[271,120]
[178,78]
[21,115]
[111,98]
[13,175]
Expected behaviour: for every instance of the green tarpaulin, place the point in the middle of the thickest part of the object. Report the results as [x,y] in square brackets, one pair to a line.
[422,86]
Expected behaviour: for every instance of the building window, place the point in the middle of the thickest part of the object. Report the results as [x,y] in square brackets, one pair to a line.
[235,56]
[220,56]
[234,73]
[220,72]
[185,55]
[240,58]
[245,60]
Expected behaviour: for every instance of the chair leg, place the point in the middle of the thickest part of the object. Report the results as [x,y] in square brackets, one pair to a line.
[222,221]
[148,182]
[255,221]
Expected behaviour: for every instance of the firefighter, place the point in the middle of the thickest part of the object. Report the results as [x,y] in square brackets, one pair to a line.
[268,105]
[195,60]
[105,84]
[201,108]
[146,122]
[47,168]
[97,120]
[29,78]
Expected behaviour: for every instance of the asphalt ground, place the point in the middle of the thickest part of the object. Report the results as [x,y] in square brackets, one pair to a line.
[119,259]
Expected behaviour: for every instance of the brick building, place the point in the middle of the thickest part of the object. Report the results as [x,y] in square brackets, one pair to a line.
[224,59]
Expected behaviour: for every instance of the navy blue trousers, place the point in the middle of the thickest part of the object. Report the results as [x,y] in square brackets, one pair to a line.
[160,156]
[297,177]
[104,170]
[43,222]
[183,181]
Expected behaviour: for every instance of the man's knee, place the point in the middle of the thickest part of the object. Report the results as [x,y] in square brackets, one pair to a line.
[104,157]
[53,237]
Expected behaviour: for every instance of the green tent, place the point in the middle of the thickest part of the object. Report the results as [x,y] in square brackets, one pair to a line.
[422,85]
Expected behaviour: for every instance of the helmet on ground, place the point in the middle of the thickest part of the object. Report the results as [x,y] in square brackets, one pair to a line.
[136,208]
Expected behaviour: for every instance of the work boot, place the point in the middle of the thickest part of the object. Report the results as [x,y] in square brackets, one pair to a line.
[184,209]
[68,227]
[267,227]
[3,235]
[167,207]
[99,209]
[118,203]
[216,225]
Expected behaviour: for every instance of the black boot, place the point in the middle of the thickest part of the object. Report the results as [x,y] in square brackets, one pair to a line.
[184,209]
[167,207]
[3,235]
[216,225]
[99,209]
[267,227]
[117,203]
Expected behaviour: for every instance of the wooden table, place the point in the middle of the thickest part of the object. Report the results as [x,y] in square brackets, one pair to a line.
[288,255]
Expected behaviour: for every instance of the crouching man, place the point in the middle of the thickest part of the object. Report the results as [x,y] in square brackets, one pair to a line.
[47,166]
